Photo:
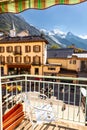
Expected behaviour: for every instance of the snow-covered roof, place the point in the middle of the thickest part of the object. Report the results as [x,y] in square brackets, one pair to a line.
[80,55]
[54,64]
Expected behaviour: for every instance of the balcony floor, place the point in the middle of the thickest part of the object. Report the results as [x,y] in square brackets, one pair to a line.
[64,120]
[62,125]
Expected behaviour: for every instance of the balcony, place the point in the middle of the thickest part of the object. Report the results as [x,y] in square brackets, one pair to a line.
[36,63]
[70,109]
[17,52]
[2,63]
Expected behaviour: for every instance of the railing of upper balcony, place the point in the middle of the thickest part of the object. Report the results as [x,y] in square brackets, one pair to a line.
[70,98]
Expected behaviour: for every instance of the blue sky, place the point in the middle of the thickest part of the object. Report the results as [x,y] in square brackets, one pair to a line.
[66,18]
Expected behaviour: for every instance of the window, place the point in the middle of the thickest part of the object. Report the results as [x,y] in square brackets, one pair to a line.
[27,59]
[2,59]
[36,70]
[74,61]
[70,61]
[17,50]
[18,59]
[36,60]
[2,49]
[27,48]
[2,70]
[9,59]
[50,68]
[36,48]
[9,49]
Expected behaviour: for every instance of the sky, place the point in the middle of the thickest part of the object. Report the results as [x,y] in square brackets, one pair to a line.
[64,18]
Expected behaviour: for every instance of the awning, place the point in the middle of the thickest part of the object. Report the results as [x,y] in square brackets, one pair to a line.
[19,66]
[17,6]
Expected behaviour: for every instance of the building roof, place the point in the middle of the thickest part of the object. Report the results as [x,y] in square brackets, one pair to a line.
[60,53]
[23,39]
[66,71]
[80,55]
[54,64]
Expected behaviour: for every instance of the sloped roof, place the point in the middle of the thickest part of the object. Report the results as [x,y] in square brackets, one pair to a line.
[66,71]
[23,39]
[59,53]
[80,55]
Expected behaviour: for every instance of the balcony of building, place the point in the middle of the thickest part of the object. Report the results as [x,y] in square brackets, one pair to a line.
[69,100]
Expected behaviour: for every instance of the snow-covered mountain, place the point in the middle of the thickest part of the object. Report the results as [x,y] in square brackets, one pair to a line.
[66,39]
[54,37]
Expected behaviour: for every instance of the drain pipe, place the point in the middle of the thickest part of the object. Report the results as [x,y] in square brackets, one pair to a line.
[1,125]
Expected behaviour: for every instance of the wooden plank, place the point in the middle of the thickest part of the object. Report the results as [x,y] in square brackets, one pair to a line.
[12,120]
[16,123]
[16,109]
[22,125]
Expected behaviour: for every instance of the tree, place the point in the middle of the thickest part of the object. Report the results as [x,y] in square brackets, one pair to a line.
[54,46]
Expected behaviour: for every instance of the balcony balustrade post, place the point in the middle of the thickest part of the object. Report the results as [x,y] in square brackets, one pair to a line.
[25,83]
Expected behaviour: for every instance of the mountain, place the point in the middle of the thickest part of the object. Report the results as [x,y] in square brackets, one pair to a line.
[6,23]
[55,38]
[68,39]
[7,20]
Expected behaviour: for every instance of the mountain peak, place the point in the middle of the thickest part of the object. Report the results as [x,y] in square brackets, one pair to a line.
[69,34]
